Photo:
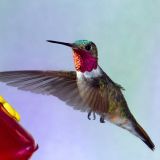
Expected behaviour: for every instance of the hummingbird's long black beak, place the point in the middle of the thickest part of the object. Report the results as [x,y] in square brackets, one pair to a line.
[63,43]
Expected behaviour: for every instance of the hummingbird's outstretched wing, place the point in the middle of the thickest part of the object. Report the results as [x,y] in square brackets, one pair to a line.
[61,84]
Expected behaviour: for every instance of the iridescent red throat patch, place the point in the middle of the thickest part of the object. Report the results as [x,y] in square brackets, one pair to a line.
[84,61]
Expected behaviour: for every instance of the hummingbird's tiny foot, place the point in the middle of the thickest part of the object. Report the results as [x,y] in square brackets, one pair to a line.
[102,119]
[89,115]
[94,115]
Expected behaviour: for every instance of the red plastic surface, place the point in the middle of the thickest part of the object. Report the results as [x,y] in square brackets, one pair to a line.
[15,142]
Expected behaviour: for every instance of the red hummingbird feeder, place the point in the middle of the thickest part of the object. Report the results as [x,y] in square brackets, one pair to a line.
[15,142]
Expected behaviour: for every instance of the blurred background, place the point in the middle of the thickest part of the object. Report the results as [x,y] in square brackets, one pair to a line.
[127,35]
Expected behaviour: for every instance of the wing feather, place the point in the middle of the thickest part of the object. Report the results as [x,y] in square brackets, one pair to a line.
[62,84]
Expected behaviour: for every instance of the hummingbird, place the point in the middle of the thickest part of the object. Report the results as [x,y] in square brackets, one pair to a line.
[87,89]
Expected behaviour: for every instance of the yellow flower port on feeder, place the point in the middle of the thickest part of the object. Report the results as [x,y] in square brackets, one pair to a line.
[8,109]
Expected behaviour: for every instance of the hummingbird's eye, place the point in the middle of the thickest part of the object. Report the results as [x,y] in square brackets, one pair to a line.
[88,47]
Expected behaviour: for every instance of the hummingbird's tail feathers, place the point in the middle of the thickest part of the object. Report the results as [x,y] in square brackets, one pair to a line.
[133,127]
[144,136]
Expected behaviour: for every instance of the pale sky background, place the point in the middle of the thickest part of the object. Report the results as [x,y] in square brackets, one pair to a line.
[127,35]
